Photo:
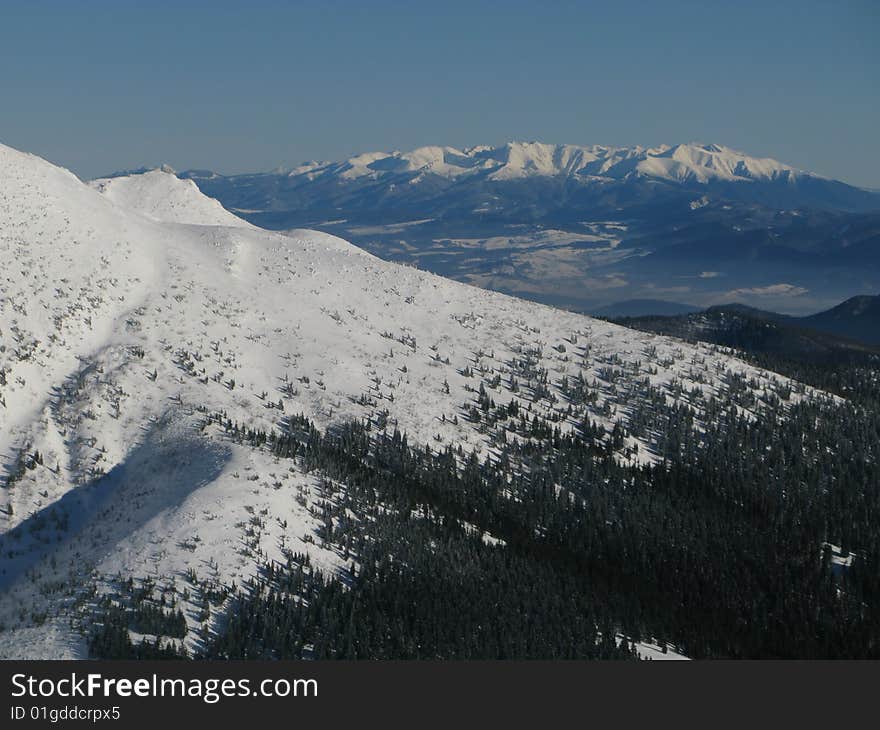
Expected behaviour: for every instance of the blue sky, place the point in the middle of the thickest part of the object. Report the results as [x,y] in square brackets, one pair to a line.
[100,86]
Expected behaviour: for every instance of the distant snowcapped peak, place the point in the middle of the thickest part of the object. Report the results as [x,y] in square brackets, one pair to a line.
[694,162]
[704,162]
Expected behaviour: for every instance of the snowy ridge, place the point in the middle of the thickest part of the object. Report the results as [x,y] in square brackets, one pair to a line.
[515,160]
[132,308]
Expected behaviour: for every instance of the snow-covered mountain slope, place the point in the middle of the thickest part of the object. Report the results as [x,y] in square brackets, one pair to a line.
[133,308]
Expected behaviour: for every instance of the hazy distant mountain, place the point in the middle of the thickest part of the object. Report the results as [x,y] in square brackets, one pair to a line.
[643,307]
[851,329]
[858,318]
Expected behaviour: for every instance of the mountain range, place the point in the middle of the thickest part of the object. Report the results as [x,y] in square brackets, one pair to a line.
[585,226]
[697,167]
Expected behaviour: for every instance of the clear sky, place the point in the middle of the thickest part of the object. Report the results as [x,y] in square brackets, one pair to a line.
[246,86]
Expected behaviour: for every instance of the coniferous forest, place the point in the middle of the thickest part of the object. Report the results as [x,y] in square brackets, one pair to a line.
[748,539]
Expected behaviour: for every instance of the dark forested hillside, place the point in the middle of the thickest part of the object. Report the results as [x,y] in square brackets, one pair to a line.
[746,539]
[858,318]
